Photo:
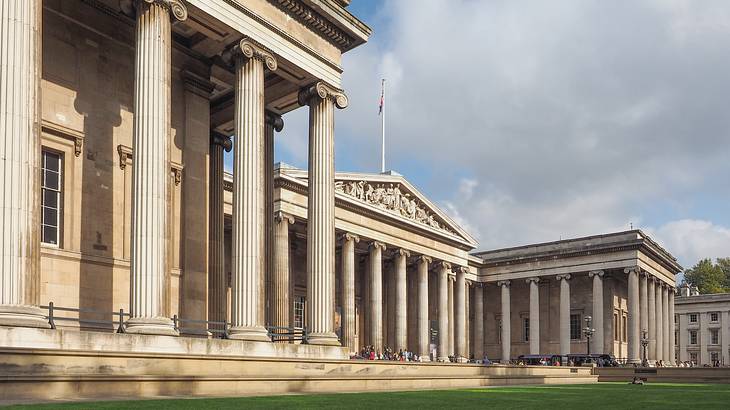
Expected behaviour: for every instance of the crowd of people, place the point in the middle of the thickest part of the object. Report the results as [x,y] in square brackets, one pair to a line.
[370,353]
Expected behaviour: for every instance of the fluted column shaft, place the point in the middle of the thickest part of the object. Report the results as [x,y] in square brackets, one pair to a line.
[451,343]
[651,312]
[348,291]
[443,311]
[564,315]
[423,325]
[375,271]
[401,338]
[534,315]
[20,68]
[273,123]
[659,321]
[249,221]
[322,100]
[150,171]
[460,313]
[665,326]
[478,321]
[598,343]
[670,322]
[217,294]
[506,321]
[633,319]
[643,308]
[280,284]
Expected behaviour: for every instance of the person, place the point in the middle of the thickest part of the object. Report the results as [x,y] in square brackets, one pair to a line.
[557,363]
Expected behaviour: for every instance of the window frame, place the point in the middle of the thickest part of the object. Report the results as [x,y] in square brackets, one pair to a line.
[714,336]
[59,192]
[300,305]
[692,335]
[693,318]
[578,330]
[526,329]
[716,317]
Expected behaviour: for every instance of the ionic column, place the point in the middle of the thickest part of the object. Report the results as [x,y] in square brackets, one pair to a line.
[401,339]
[506,322]
[348,291]
[322,100]
[670,306]
[376,294]
[460,313]
[643,309]
[280,284]
[443,311]
[478,321]
[20,68]
[651,312]
[534,315]
[150,171]
[659,321]
[564,314]
[598,343]
[273,123]
[217,294]
[249,219]
[665,326]
[633,316]
[423,325]
[451,316]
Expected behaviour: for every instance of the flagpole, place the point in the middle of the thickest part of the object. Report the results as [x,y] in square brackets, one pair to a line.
[382,129]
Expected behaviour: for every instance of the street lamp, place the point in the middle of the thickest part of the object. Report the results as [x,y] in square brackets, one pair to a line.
[588,332]
[644,344]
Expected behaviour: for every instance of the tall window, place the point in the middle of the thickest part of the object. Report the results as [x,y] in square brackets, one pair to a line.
[714,357]
[693,357]
[299,303]
[676,338]
[693,318]
[526,329]
[575,327]
[714,317]
[624,327]
[51,198]
[714,337]
[615,327]
[693,337]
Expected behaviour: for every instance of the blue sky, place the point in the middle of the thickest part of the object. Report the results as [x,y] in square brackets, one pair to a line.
[528,120]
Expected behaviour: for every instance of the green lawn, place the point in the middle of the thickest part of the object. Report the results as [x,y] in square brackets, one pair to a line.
[593,396]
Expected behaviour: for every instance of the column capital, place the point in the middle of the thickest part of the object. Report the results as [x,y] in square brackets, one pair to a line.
[424,258]
[477,284]
[534,279]
[462,269]
[565,277]
[252,50]
[376,245]
[443,265]
[177,8]
[451,277]
[598,273]
[274,120]
[402,252]
[322,90]
[503,283]
[281,216]
[347,236]
[632,269]
[216,138]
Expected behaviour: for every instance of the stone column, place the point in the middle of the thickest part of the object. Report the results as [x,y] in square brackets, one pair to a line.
[151,168]
[665,326]
[20,69]
[460,314]
[401,336]
[217,293]
[598,343]
[249,198]
[703,339]
[348,291]
[478,321]
[643,310]
[273,123]
[534,315]
[322,100]
[376,295]
[633,316]
[651,312]
[443,311]
[424,336]
[670,306]
[280,284]
[724,336]
[564,315]
[506,322]
[659,321]
[451,344]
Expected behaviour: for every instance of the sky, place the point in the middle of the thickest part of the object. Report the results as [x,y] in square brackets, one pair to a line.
[531,121]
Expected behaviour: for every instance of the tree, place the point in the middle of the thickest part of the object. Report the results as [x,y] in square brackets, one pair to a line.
[709,277]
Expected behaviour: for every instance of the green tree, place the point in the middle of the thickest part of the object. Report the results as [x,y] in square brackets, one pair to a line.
[709,277]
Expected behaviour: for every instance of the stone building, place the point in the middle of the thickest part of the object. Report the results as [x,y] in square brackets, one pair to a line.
[125,108]
[702,329]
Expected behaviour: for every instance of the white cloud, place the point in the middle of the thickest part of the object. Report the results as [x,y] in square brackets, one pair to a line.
[691,240]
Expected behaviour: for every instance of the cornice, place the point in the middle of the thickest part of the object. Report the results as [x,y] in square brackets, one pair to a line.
[308,17]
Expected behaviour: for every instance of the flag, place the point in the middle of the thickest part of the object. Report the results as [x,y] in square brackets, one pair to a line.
[382,97]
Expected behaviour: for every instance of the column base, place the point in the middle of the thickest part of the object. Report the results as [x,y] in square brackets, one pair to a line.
[251,333]
[323,339]
[444,359]
[462,359]
[150,326]
[23,316]
[425,358]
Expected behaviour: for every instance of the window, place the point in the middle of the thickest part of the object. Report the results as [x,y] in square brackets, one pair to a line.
[676,338]
[693,318]
[51,198]
[693,337]
[693,357]
[624,327]
[526,329]
[575,327]
[299,303]
[615,327]
[714,317]
[714,337]
[714,357]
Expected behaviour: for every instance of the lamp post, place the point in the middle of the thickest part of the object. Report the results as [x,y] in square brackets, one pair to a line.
[644,344]
[588,332]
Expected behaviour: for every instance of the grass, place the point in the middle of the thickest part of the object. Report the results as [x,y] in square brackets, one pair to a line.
[563,397]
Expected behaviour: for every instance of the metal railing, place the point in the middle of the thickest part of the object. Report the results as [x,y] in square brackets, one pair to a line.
[100,324]
[287,334]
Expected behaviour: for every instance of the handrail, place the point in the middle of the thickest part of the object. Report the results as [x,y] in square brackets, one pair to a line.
[53,318]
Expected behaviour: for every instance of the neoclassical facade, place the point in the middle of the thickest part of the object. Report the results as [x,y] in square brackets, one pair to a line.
[702,328]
